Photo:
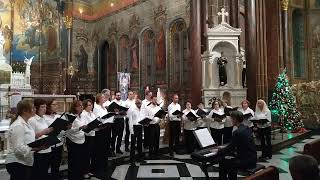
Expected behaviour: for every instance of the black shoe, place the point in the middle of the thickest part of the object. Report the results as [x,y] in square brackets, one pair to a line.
[127,149]
[119,152]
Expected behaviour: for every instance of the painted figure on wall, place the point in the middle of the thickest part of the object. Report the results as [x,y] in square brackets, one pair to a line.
[134,54]
[52,39]
[82,60]
[112,58]
[161,51]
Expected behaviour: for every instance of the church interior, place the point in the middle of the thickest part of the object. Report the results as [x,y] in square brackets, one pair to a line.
[159,89]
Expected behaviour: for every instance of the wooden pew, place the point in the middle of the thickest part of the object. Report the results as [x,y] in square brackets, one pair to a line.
[269,173]
[312,149]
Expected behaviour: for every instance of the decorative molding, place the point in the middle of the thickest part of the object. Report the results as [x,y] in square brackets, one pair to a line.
[285,5]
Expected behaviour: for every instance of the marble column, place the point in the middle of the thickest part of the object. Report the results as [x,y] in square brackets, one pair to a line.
[251,53]
[204,25]
[68,23]
[284,22]
[234,13]
[195,51]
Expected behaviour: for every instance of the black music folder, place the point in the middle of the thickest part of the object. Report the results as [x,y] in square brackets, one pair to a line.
[109,115]
[259,121]
[218,116]
[145,121]
[202,113]
[92,125]
[247,116]
[160,113]
[47,141]
[177,113]
[114,105]
[191,116]
[59,124]
[228,110]
[70,117]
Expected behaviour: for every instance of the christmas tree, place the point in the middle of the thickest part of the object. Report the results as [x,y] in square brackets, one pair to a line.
[283,105]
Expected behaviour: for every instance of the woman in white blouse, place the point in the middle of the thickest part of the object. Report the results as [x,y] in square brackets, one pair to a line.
[75,143]
[264,129]
[245,109]
[56,150]
[217,124]
[91,158]
[19,160]
[40,126]
[188,128]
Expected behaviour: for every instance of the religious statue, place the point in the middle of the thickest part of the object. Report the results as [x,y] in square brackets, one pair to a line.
[161,51]
[244,67]
[27,72]
[222,61]
[134,55]
[83,60]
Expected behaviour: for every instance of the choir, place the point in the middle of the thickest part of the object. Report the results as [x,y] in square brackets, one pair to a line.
[89,149]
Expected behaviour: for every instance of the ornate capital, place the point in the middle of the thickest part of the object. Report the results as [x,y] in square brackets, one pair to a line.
[285,5]
[68,20]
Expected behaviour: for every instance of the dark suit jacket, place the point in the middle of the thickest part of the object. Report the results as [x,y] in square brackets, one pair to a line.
[242,145]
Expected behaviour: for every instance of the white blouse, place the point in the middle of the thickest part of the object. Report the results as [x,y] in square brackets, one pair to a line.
[100,111]
[39,124]
[75,134]
[263,115]
[247,122]
[20,134]
[89,117]
[228,122]
[171,109]
[215,124]
[144,106]
[50,119]
[187,124]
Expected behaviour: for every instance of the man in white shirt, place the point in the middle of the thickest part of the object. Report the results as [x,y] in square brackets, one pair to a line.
[174,124]
[135,116]
[144,105]
[129,103]
[154,128]
[107,95]
[118,125]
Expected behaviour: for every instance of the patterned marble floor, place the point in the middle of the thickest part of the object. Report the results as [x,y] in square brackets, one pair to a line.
[183,168]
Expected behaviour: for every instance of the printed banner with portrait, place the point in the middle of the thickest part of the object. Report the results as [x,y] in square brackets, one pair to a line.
[124,84]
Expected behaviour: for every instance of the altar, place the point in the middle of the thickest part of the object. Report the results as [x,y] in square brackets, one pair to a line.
[222,64]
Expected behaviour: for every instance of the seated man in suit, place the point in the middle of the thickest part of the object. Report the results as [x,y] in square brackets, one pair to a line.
[304,167]
[242,147]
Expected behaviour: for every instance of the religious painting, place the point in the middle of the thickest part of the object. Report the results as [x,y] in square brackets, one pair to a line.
[299,63]
[124,54]
[111,58]
[82,60]
[148,57]
[134,63]
[315,43]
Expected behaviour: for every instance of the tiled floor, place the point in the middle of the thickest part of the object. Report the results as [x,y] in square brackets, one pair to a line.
[181,167]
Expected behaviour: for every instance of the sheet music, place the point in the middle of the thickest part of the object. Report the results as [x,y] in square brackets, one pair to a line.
[204,138]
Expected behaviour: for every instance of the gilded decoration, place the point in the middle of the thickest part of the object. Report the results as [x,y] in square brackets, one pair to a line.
[68,20]
[285,5]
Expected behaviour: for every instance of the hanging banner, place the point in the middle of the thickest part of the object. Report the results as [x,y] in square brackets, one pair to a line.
[124,84]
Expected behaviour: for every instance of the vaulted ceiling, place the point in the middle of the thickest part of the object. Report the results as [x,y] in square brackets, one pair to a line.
[96,9]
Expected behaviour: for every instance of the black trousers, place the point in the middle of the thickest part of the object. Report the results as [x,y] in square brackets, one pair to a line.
[227,134]
[190,141]
[146,136]
[154,133]
[19,171]
[40,166]
[55,161]
[102,148]
[175,131]
[76,167]
[217,135]
[117,133]
[127,135]
[91,156]
[265,138]
[228,169]
[136,141]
